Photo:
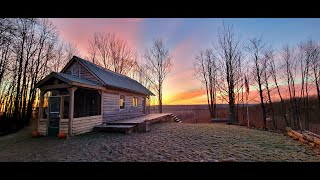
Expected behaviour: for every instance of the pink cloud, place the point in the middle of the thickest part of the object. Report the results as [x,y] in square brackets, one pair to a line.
[79,31]
[182,74]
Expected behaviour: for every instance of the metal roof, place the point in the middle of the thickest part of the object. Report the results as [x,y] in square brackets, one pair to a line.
[77,79]
[114,79]
[67,78]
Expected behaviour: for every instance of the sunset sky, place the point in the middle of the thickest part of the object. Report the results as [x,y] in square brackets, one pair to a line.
[185,38]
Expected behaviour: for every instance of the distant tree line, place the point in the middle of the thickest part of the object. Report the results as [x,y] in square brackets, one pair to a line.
[287,74]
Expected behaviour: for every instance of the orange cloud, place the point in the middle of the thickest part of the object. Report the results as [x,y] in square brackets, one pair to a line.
[187,97]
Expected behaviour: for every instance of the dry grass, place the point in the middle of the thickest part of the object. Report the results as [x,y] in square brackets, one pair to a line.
[173,142]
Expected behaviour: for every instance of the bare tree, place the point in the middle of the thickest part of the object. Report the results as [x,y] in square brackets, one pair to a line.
[6,40]
[62,54]
[46,52]
[139,73]
[291,64]
[267,59]
[93,50]
[206,70]
[273,70]
[112,52]
[158,64]
[229,52]
[59,60]
[70,51]
[255,49]
[315,67]
[308,54]
[25,28]
[100,49]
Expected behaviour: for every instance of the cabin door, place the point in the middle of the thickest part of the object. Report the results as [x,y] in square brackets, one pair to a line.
[54,116]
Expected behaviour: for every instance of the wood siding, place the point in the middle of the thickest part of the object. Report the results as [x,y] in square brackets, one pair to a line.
[64,125]
[85,124]
[84,73]
[43,127]
[111,106]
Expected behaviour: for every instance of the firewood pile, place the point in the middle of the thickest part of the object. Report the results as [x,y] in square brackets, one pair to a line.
[304,136]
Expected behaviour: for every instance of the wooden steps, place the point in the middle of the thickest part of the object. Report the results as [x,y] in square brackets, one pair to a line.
[175,118]
[127,129]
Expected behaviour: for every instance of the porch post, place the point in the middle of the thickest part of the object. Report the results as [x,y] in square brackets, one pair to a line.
[101,103]
[71,106]
[40,107]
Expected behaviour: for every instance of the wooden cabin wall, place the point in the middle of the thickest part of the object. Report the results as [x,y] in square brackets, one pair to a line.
[111,106]
[43,126]
[85,124]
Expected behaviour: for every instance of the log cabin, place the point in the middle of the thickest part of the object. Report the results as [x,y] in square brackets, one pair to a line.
[84,95]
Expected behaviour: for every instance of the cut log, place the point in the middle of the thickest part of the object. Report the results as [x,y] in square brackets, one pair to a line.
[304,136]
[312,137]
[308,137]
[294,134]
[312,134]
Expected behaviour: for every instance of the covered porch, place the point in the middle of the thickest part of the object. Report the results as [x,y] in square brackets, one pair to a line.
[68,105]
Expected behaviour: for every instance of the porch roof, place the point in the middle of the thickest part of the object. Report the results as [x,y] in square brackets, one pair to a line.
[69,79]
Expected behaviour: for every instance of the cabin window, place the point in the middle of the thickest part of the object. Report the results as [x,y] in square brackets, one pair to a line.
[75,70]
[135,101]
[122,102]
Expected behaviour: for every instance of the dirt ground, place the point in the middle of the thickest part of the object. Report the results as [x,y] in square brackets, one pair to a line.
[164,142]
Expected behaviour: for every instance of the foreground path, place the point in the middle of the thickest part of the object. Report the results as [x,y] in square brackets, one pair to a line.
[165,142]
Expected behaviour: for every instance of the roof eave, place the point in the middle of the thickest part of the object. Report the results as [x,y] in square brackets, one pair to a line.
[128,90]
[52,74]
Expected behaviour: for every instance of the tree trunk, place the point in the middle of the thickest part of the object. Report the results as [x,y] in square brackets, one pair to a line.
[232,115]
[318,92]
[271,108]
[264,114]
[160,99]
[282,105]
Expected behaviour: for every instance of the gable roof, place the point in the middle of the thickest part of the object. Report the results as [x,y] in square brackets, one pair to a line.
[110,78]
[69,79]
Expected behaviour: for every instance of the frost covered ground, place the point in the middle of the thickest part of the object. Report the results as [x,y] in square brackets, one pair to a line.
[164,142]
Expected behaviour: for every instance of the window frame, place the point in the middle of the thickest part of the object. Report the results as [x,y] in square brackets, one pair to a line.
[124,102]
[135,102]
[79,70]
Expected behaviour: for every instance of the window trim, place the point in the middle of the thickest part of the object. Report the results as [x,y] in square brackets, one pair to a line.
[135,101]
[76,66]
[124,102]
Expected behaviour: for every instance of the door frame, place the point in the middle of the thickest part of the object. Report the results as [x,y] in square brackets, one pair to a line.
[49,110]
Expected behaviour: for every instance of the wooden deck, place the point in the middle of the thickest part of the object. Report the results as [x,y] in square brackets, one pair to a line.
[127,129]
[140,124]
[146,118]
